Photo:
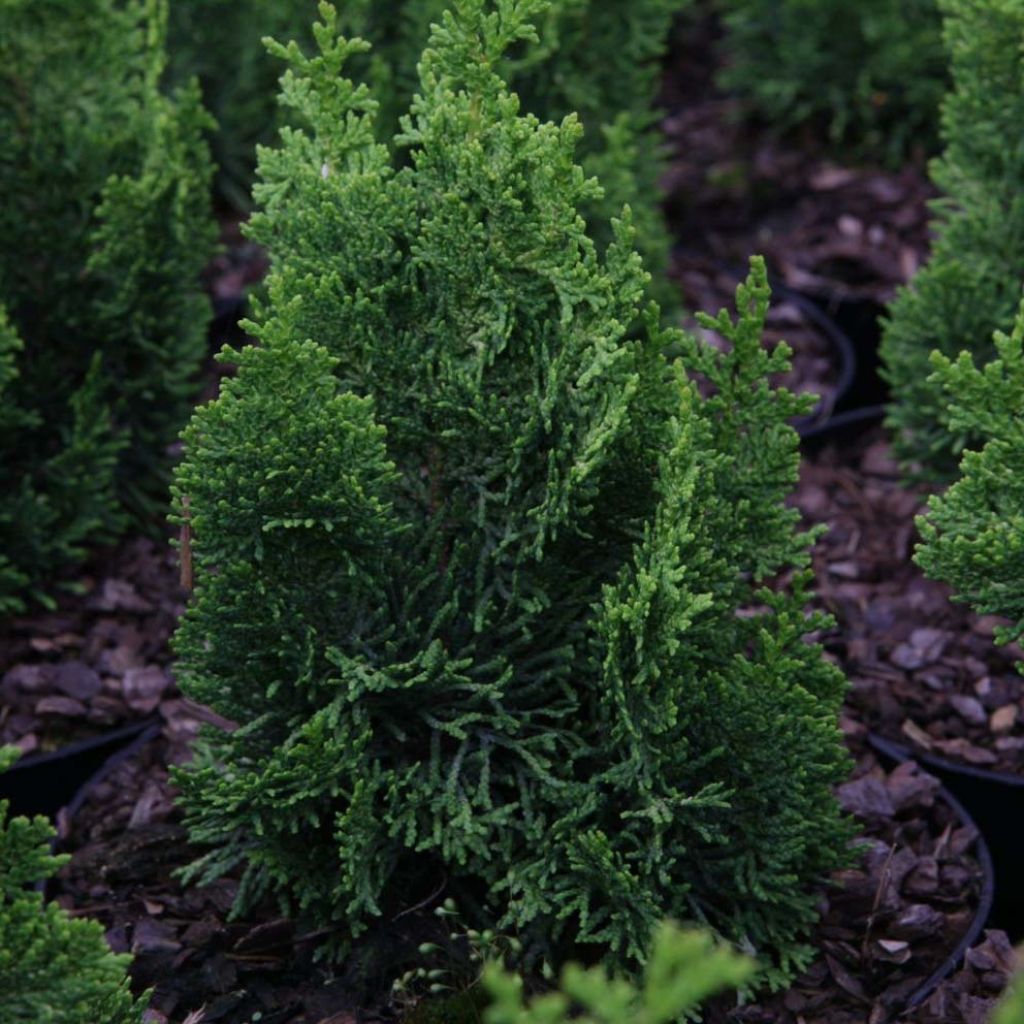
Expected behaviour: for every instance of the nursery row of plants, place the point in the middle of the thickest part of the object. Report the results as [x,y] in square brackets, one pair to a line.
[500,612]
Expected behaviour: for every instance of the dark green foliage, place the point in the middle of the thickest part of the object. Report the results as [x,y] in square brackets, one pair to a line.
[874,71]
[973,535]
[598,58]
[53,969]
[51,506]
[104,228]
[477,574]
[971,285]
[685,968]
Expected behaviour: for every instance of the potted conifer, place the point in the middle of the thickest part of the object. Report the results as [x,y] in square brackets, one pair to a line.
[479,575]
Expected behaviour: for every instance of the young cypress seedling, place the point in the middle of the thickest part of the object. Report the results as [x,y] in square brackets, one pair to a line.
[104,228]
[478,573]
[973,535]
[54,969]
[971,284]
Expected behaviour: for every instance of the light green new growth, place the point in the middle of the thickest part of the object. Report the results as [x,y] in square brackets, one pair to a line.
[973,535]
[597,58]
[104,228]
[971,285]
[478,573]
[874,70]
[54,969]
[684,969]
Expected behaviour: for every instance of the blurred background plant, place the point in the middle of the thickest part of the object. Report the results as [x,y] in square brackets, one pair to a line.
[871,74]
[970,286]
[104,228]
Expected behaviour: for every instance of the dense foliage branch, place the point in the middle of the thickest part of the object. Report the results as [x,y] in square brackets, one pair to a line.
[973,535]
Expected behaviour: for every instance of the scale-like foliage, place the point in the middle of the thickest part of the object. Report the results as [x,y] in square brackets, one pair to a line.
[973,535]
[54,969]
[685,968]
[104,227]
[598,58]
[874,70]
[477,571]
[971,284]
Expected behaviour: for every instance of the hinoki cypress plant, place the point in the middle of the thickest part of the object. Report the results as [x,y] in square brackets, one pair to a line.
[478,573]
[54,969]
[971,285]
[104,228]
[973,534]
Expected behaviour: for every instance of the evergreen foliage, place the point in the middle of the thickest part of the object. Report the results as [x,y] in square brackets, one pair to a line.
[478,573]
[54,969]
[104,228]
[971,284]
[973,535]
[685,968]
[598,58]
[875,70]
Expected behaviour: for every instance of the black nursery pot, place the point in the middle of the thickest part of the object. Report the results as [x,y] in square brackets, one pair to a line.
[982,916]
[45,784]
[995,801]
[853,333]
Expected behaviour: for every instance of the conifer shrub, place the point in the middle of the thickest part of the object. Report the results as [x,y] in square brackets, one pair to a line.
[875,71]
[54,969]
[973,534]
[104,228]
[971,284]
[598,58]
[479,574]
